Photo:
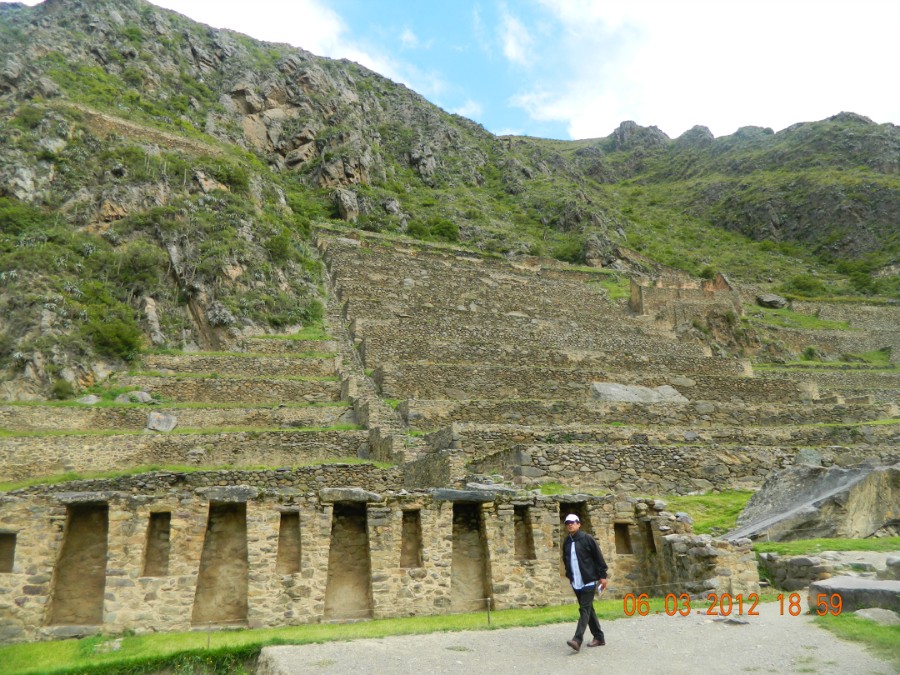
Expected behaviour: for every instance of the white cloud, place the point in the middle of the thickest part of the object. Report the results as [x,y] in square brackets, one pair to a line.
[471,109]
[408,39]
[720,64]
[515,39]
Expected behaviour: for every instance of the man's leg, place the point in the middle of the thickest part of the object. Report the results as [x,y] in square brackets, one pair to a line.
[585,612]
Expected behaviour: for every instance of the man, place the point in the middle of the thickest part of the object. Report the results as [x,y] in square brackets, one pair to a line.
[586,570]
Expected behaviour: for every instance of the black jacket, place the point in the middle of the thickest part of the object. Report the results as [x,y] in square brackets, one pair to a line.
[590,560]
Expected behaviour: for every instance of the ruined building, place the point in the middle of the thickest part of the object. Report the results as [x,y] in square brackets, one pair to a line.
[459,384]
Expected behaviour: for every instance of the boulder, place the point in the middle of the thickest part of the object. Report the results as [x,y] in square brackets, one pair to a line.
[633,393]
[161,422]
[807,502]
[771,301]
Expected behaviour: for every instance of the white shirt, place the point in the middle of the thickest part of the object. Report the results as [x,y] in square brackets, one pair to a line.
[577,581]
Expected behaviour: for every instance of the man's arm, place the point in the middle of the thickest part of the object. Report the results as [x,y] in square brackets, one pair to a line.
[601,564]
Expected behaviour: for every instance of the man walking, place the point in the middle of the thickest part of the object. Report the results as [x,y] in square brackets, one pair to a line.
[586,570]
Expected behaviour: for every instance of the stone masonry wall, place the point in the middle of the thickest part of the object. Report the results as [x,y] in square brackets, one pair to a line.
[135,416]
[24,457]
[133,601]
[429,414]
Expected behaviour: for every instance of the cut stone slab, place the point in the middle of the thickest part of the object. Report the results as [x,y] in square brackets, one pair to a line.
[348,494]
[634,393]
[448,495]
[858,593]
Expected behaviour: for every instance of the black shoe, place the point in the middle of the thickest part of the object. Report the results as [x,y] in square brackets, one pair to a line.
[574,644]
[597,642]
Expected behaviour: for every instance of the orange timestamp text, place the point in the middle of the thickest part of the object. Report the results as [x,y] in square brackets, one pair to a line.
[726,604]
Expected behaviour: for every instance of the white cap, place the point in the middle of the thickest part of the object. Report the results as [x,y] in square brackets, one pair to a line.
[572,518]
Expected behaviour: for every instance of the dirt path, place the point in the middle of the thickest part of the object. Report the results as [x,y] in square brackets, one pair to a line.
[769,643]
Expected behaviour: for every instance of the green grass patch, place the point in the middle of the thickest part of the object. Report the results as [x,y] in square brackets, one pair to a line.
[312,332]
[786,318]
[242,355]
[552,488]
[814,546]
[164,651]
[714,513]
[884,641]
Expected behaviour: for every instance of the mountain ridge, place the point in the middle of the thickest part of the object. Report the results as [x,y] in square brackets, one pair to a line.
[161,176]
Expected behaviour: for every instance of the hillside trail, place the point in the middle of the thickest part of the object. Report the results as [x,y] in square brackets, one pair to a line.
[768,643]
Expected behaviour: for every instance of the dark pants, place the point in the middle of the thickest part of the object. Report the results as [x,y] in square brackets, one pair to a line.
[587,617]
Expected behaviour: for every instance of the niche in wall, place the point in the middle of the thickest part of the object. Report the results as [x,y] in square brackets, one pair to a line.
[79,580]
[348,591]
[288,560]
[221,595]
[156,553]
[7,552]
[411,539]
[623,538]
[470,577]
[650,542]
[524,533]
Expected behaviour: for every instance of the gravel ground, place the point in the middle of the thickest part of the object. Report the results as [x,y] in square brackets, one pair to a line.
[768,643]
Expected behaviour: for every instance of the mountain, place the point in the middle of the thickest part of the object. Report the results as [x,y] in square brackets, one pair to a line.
[159,179]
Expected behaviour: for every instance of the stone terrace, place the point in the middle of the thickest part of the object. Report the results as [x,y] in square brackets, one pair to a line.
[506,354]
[276,403]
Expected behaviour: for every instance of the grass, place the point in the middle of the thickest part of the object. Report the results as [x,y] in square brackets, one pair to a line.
[884,641]
[312,332]
[241,355]
[156,652]
[786,318]
[162,403]
[811,546]
[712,513]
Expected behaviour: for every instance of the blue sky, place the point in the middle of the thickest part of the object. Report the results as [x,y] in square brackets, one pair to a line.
[577,68]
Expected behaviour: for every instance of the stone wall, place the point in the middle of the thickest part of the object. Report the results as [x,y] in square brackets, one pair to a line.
[451,381]
[246,519]
[430,414]
[236,390]
[243,366]
[25,457]
[656,469]
[699,564]
[134,417]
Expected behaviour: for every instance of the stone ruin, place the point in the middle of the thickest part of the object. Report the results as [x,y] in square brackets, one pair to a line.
[458,384]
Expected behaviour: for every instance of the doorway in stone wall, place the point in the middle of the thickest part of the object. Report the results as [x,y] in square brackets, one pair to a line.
[348,592]
[79,580]
[580,510]
[470,574]
[221,595]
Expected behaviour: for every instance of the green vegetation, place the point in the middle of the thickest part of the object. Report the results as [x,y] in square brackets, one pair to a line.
[786,318]
[158,652]
[814,546]
[884,641]
[714,513]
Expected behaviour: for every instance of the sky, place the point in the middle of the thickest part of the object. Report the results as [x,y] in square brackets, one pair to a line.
[572,69]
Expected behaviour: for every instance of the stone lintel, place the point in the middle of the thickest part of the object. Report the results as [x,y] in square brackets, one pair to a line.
[229,493]
[348,494]
[477,496]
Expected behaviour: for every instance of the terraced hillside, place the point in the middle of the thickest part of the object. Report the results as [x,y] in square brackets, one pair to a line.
[495,361]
